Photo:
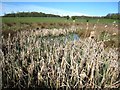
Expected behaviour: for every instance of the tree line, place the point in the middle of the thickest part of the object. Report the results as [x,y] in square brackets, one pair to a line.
[108,16]
[113,16]
[40,14]
[30,14]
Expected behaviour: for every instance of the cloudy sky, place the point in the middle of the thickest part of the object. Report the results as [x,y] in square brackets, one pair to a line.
[62,8]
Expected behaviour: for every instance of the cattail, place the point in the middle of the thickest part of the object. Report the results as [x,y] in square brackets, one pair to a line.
[71,64]
[43,65]
[94,27]
[114,34]
[58,83]
[20,72]
[30,68]
[106,26]
[63,64]
[40,78]
[83,75]
[92,35]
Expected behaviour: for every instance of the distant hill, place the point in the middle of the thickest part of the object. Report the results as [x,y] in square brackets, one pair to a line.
[30,14]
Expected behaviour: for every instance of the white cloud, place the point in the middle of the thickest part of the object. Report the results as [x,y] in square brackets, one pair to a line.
[10,8]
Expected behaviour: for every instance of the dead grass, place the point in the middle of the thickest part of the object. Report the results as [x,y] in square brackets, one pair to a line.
[32,61]
[29,61]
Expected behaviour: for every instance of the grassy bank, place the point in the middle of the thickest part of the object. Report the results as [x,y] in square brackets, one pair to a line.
[51,20]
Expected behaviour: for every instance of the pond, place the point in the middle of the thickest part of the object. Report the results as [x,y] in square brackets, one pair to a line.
[71,37]
[62,38]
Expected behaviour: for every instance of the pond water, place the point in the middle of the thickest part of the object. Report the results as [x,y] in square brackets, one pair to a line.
[71,37]
[62,38]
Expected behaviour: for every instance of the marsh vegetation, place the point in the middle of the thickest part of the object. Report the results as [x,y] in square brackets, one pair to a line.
[71,56]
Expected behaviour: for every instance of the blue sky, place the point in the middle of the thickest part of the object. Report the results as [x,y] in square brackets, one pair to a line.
[62,8]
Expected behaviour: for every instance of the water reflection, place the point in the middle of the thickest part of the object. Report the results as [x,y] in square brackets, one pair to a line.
[62,38]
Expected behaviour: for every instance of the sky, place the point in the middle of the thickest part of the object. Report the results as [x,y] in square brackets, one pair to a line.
[60,0]
[62,8]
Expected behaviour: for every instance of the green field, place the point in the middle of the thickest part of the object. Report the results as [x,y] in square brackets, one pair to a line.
[51,20]
[33,19]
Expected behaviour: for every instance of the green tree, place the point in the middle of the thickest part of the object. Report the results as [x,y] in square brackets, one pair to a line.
[67,17]
[73,17]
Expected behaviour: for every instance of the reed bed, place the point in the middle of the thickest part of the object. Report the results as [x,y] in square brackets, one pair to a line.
[29,61]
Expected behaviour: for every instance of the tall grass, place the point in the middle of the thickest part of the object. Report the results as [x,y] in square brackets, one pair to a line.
[30,60]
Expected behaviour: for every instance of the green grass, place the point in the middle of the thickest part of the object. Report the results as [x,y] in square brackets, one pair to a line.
[33,19]
[102,20]
[51,20]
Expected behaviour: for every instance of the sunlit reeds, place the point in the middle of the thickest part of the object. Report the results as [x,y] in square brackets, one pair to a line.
[31,60]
